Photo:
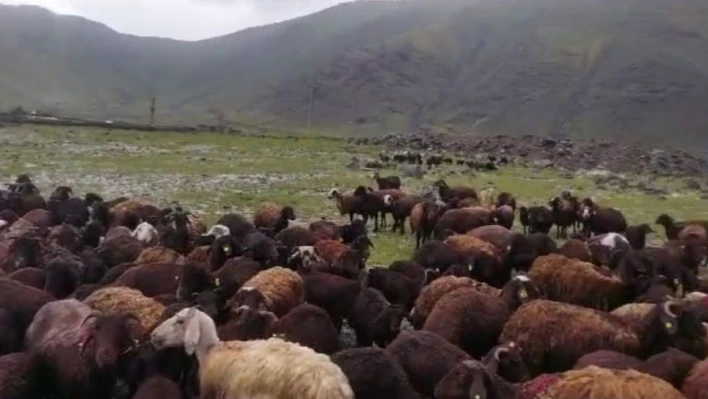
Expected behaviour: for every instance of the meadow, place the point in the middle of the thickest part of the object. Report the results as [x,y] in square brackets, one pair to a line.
[211,173]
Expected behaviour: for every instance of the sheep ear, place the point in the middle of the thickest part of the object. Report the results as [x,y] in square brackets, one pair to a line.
[191,335]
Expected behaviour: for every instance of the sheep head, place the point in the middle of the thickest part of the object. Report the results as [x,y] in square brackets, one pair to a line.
[110,337]
[190,328]
[250,297]
[505,360]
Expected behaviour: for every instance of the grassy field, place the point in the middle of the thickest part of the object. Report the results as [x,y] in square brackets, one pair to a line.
[207,172]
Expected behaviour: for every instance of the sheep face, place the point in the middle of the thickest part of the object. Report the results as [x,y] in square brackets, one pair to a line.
[181,329]
[146,233]
[253,323]
[470,377]
[250,297]
[306,256]
[110,338]
[520,290]
[506,360]
[218,230]
[388,200]
[193,279]
[25,251]
[333,193]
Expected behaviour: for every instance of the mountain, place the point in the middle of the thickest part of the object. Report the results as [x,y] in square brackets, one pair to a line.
[633,69]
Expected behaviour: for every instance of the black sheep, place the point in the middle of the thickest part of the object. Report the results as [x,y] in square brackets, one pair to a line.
[373,374]
[310,326]
[332,293]
[374,319]
[388,182]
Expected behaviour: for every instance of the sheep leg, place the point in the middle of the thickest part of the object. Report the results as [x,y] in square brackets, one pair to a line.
[403,226]
[376,222]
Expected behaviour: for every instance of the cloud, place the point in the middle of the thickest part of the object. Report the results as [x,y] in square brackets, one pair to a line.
[182,19]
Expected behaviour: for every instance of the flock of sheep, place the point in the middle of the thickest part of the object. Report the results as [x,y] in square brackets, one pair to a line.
[119,298]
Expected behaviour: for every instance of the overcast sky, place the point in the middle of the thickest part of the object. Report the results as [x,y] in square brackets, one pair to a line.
[182,19]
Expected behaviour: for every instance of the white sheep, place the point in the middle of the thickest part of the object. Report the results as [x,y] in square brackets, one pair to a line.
[270,368]
[146,233]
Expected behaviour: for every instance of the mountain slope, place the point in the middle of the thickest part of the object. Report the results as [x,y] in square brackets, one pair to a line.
[633,68]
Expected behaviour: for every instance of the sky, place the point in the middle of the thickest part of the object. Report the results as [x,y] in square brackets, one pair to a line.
[182,19]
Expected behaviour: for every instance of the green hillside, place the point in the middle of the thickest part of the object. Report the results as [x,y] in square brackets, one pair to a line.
[635,68]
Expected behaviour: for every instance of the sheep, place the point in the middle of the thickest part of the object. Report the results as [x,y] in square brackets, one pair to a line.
[504,216]
[576,249]
[446,193]
[462,220]
[373,374]
[102,340]
[22,303]
[413,271]
[16,381]
[596,382]
[425,357]
[432,293]
[564,213]
[125,301]
[292,237]
[671,365]
[388,182]
[499,236]
[555,335]
[218,230]
[66,236]
[580,283]
[334,294]
[247,324]
[146,233]
[396,287]
[151,279]
[637,235]
[309,326]
[282,289]
[486,260]
[472,319]
[487,198]
[672,228]
[694,386]
[326,230]
[608,249]
[266,215]
[237,224]
[608,359]
[505,198]
[335,252]
[600,220]
[159,254]
[158,387]
[424,218]
[120,249]
[29,276]
[54,318]
[374,319]
[268,368]
[370,204]
[536,219]
[401,209]
[346,204]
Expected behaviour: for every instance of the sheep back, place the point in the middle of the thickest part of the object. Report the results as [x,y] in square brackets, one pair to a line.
[569,280]
[266,215]
[159,254]
[695,386]
[596,382]
[554,335]
[310,326]
[432,293]
[124,301]
[469,319]
[271,368]
[151,279]
[282,288]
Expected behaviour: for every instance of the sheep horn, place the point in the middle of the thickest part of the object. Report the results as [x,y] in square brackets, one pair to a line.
[667,309]
[498,352]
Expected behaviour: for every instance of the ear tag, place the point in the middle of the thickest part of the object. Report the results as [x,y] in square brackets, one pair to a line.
[523,294]
[470,267]
[669,325]
[216,282]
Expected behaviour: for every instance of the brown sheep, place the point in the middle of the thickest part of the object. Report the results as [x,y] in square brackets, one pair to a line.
[694,386]
[401,209]
[487,265]
[468,319]
[266,215]
[576,249]
[569,280]
[159,254]
[151,279]
[346,204]
[333,293]
[282,289]
[138,207]
[608,359]
[487,198]
[671,365]
[553,335]
[128,301]
[447,193]
[41,218]
[199,255]
[424,217]
[673,228]
[495,234]
[432,293]
[596,382]
[121,249]
[462,220]
[310,326]
[324,230]
[29,276]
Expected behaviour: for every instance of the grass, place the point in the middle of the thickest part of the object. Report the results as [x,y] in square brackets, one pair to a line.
[206,172]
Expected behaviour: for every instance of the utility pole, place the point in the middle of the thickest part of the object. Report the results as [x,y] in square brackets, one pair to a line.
[153,100]
[313,90]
